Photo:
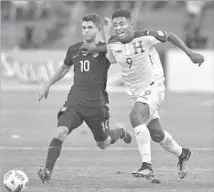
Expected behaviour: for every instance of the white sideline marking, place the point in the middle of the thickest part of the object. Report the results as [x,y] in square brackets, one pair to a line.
[207,103]
[93,149]
[159,171]
[165,171]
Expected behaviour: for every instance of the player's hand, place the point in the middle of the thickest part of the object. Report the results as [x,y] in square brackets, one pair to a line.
[197,58]
[107,28]
[44,92]
[107,23]
[87,48]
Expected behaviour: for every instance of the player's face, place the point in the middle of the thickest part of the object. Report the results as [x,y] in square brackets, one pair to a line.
[89,30]
[123,28]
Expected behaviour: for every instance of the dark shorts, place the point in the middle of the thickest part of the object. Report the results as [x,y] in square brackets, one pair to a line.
[97,119]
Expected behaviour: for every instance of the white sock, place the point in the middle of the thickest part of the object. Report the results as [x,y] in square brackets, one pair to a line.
[170,145]
[143,140]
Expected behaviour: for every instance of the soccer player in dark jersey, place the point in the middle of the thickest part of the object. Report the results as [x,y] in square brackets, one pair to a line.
[87,98]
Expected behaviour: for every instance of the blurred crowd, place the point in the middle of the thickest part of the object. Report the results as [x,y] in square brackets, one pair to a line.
[55,24]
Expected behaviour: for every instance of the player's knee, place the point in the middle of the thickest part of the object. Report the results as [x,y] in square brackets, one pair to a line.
[135,119]
[101,145]
[157,135]
[104,144]
[62,133]
[139,114]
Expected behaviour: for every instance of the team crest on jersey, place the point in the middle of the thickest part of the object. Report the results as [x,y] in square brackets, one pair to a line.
[95,55]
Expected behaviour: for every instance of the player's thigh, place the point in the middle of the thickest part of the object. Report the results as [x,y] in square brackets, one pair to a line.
[69,117]
[154,115]
[98,122]
[153,96]
[147,103]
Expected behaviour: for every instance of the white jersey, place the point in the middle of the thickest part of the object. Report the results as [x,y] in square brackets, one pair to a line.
[139,60]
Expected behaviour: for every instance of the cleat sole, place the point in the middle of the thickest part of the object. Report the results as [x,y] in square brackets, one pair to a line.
[150,178]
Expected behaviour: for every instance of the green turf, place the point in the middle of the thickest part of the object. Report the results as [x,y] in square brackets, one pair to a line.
[83,167]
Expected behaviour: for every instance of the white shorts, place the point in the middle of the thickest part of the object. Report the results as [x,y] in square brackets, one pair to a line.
[153,95]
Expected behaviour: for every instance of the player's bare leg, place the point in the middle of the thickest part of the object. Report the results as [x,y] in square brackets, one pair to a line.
[119,133]
[138,116]
[127,138]
[169,144]
[114,135]
[54,150]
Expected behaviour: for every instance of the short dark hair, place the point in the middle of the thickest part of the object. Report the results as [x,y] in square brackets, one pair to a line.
[94,18]
[122,13]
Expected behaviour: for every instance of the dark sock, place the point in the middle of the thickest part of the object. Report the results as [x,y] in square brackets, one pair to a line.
[116,134]
[53,153]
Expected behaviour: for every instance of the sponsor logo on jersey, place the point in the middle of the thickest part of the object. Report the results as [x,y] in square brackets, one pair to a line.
[118,51]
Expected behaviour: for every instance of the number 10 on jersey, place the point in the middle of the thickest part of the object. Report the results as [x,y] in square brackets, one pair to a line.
[84,65]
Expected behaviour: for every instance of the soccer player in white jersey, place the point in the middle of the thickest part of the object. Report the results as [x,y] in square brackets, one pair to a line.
[143,77]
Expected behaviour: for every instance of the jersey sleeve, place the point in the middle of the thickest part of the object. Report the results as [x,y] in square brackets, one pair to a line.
[156,37]
[110,55]
[68,58]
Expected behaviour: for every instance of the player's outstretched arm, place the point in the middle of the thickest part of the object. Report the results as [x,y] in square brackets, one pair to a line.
[195,57]
[89,49]
[61,72]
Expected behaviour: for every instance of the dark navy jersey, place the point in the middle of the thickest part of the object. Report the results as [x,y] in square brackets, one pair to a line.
[90,77]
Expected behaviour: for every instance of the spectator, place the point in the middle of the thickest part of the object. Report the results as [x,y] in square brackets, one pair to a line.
[28,41]
[195,14]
